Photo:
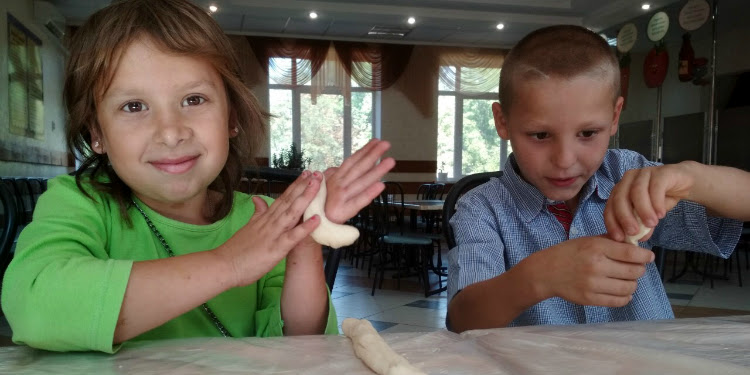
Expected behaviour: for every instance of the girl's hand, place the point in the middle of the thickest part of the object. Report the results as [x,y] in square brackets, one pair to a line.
[354,184]
[648,192]
[272,231]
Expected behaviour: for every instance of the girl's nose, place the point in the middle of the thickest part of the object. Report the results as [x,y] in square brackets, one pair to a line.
[171,129]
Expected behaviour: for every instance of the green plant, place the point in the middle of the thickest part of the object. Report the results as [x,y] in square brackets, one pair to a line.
[291,158]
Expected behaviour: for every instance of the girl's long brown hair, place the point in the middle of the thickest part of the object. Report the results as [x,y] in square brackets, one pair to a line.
[176,26]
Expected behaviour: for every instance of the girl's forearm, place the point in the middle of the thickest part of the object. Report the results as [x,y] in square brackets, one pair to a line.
[304,299]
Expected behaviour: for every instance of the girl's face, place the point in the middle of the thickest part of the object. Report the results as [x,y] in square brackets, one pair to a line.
[165,127]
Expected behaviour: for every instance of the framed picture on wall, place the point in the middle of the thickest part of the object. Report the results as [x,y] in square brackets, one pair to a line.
[25,90]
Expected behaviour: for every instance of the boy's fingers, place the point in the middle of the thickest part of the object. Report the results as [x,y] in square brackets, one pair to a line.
[629,253]
[622,209]
[627,271]
[608,300]
[614,231]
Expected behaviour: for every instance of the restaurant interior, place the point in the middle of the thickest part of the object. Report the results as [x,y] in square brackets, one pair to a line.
[318,76]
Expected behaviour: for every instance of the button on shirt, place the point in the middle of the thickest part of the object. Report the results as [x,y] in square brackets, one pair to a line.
[503,221]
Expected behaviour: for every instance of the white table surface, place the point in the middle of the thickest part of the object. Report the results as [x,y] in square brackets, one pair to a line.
[682,346]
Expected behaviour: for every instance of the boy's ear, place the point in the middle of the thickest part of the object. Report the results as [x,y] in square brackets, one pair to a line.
[501,123]
[616,116]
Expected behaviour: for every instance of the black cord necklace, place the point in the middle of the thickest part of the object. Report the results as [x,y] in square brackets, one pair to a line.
[161,239]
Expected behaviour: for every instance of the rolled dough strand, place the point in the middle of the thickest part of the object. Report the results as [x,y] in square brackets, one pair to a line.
[370,347]
[642,231]
[328,233]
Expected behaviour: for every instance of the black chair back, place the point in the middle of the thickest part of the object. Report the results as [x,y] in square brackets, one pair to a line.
[460,188]
[9,226]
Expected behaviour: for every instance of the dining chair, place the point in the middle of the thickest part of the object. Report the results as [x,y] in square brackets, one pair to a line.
[460,188]
[397,251]
[8,229]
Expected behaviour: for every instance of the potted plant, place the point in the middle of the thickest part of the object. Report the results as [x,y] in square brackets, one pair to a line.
[291,158]
[442,176]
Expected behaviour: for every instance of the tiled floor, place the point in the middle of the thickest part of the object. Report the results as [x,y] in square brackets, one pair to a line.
[407,310]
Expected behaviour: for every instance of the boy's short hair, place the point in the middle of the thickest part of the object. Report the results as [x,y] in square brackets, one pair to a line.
[562,51]
[176,26]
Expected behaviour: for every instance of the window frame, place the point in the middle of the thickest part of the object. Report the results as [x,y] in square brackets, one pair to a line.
[297,92]
[458,127]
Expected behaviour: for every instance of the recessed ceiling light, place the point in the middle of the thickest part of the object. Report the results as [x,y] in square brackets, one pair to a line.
[213,8]
[500,26]
[411,20]
[313,15]
[646,6]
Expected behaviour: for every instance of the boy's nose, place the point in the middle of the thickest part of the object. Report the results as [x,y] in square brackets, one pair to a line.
[563,156]
[171,130]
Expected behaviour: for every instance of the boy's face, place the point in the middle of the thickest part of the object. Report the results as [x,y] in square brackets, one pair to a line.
[559,130]
[164,124]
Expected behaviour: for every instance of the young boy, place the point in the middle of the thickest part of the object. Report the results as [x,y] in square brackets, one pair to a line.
[531,248]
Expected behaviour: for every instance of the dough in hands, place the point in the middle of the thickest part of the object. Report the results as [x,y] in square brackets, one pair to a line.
[328,233]
[642,231]
[370,347]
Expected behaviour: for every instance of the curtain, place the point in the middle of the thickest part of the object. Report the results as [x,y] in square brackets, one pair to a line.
[480,69]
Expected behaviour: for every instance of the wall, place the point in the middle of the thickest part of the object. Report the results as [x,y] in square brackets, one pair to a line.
[53,59]
[732,56]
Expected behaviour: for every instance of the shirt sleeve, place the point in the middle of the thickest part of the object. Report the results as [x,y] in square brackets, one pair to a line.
[479,252]
[61,291]
[687,227]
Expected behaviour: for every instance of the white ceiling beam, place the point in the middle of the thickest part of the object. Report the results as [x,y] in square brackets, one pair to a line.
[373,9]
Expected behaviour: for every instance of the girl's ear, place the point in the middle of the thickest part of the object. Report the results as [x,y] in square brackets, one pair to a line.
[97,144]
[234,128]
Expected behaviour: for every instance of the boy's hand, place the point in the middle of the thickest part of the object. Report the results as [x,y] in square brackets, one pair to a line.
[592,271]
[649,192]
[354,184]
[272,231]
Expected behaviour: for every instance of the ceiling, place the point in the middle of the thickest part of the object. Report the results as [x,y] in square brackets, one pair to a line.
[440,22]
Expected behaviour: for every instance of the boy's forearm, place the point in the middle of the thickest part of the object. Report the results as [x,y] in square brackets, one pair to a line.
[304,298]
[722,190]
[495,302]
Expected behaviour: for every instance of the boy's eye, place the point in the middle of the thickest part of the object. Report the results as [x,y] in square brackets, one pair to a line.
[540,136]
[134,107]
[588,133]
[193,100]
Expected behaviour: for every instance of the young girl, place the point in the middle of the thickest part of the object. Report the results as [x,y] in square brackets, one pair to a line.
[149,239]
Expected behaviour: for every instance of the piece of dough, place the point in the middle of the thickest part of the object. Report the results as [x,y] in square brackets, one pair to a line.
[642,231]
[370,347]
[328,233]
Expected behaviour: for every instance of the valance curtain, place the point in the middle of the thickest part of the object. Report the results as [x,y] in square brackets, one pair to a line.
[480,69]
[414,71]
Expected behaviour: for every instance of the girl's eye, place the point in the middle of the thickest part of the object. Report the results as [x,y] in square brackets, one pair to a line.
[193,100]
[588,133]
[540,136]
[134,107]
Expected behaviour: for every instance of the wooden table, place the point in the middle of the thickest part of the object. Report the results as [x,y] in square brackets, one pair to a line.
[702,346]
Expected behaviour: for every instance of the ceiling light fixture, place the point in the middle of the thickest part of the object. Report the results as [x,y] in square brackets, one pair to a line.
[313,15]
[646,6]
[500,26]
[213,8]
[411,20]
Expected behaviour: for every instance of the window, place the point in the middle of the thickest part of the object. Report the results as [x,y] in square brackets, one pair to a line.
[328,126]
[467,140]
